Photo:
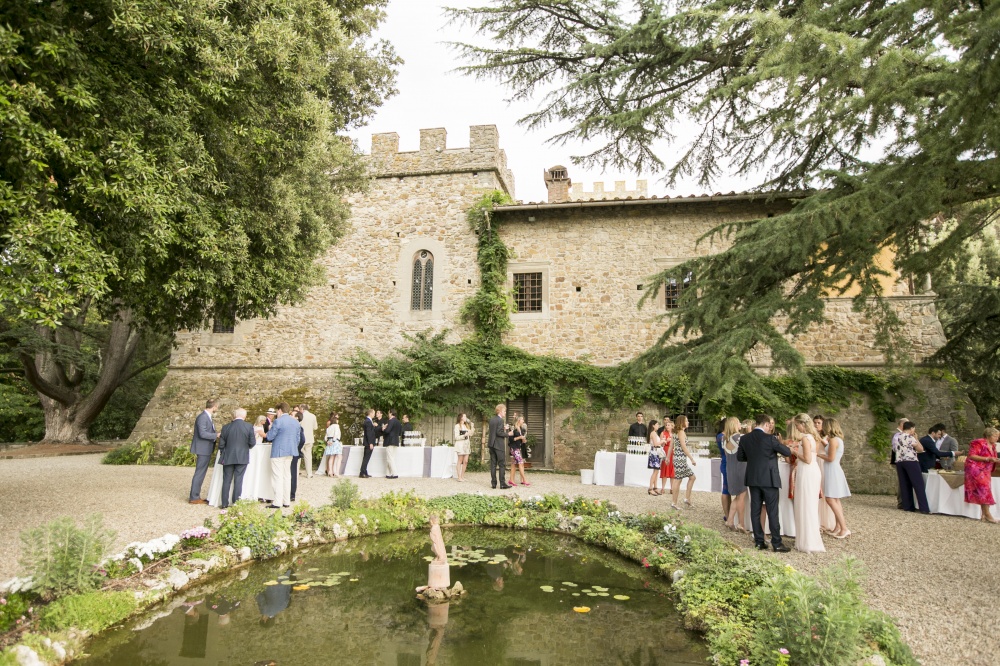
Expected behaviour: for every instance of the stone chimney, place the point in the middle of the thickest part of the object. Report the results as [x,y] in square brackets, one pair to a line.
[557,182]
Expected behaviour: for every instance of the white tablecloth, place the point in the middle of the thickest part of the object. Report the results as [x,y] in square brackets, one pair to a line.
[256,479]
[942,498]
[628,469]
[411,461]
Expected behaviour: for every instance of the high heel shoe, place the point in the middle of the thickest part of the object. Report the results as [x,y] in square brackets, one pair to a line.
[674,507]
[842,536]
[688,505]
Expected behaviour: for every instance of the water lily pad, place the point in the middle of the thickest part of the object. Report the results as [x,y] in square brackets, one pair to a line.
[602,594]
[600,589]
[591,594]
[313,569]
[581,609]
[344,573]
[286,582]
[587,591]
[547,588]
[354,580]
[576,594]
[622,597]
[271,582]
[569,584]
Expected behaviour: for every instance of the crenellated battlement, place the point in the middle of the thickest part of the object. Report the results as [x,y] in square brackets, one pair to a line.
[435,157]
[599,193]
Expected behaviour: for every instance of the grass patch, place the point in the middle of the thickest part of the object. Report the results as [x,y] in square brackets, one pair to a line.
[93,611]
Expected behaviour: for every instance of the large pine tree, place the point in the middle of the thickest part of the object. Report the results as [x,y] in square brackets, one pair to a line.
[884,114]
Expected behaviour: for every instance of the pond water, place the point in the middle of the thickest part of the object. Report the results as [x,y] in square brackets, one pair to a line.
[354,603]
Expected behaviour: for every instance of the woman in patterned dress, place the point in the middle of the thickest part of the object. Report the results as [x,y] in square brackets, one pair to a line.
[979,472]
[655,455]
[518,449]
[683,461]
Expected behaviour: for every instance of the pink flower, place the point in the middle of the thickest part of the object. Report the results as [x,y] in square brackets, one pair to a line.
[783,650]
[3,602]
[744,662]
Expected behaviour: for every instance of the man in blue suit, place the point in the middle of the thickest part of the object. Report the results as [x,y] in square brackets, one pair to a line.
[202,445]
[284,435]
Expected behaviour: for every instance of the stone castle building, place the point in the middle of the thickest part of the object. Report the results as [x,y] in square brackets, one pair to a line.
[579,262]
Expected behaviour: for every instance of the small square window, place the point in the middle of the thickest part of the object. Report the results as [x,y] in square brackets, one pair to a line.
[672,291]
[528,292]
[224,325]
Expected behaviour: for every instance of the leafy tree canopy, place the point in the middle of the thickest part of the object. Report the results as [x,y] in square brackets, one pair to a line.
[883,114]
[167,161]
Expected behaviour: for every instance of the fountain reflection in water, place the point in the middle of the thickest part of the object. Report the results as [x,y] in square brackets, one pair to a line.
[353,602]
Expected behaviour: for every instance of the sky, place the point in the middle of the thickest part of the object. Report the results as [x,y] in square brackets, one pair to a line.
[431,94]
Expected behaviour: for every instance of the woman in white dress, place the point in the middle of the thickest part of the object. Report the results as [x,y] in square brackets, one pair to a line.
[835,486]
[334,447]
[462,437]
[807,486]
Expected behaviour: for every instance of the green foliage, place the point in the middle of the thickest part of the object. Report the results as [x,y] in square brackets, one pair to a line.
[15,609]
[432,376]
[130,454]
[798,96]
[62,558]
[181,456]
[471,509]
[489,309]
[21,415]
[344,494]
[148,148]
[93,611]
[248,524]
[880,630]
[819,620]
[968,303]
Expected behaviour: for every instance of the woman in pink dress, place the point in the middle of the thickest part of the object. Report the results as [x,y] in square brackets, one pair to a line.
[979,472]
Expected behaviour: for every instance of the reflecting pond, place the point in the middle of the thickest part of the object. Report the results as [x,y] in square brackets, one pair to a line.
[354,603]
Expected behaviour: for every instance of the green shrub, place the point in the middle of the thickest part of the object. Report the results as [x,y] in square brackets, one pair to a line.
[819,620]
[14,609]
[94,611]
[248,524]
[126,454]
[182,457]
[880,630]
[344,494]
[470,508]
[62,558]
[720,587]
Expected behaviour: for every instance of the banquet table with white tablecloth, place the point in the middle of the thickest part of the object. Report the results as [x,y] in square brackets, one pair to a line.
[612,468]
[943,498]
[436,462]
[256,479]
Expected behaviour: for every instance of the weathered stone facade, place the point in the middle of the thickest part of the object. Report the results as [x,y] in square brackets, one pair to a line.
[594,257]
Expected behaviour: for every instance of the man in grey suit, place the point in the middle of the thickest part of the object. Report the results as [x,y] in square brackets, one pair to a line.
[947,444]
[235,442]
[496,442]
[202,445]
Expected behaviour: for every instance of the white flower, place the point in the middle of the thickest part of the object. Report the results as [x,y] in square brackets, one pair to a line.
[17,585]
[137,563]
[687,538]
[364,519]
[350,523]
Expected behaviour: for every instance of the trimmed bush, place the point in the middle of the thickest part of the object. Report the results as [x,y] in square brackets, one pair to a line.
[247,524]
[344,494]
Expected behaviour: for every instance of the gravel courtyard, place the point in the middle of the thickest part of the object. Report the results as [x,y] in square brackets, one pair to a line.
[937,575]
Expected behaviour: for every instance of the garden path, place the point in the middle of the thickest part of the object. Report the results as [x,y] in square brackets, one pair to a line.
[936,575]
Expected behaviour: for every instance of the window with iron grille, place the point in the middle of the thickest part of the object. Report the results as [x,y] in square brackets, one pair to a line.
[696,422]
[422,289]
[672,291]
[224,323]
[528,292]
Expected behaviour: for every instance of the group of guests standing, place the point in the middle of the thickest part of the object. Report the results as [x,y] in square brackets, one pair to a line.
[291,432]
[387,431]
[669,456]
[913,458]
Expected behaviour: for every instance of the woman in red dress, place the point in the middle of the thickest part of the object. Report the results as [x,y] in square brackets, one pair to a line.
[979,472]
[667,463]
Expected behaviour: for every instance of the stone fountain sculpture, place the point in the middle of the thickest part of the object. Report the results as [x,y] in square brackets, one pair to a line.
[438,572]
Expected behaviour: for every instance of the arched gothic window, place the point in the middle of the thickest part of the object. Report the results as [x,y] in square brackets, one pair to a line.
[422,292]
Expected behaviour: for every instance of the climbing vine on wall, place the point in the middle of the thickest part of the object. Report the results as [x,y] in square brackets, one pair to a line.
[431,376]
[489,309]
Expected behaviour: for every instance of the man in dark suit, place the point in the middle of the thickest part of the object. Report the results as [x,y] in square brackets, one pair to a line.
[202,445]
[931,454]
[759,450]
[235,442]
[370,435]
[496,442]
[391,432]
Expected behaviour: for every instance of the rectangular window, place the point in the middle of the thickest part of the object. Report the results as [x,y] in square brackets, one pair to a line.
[672,292]
[528,292]
[224,324]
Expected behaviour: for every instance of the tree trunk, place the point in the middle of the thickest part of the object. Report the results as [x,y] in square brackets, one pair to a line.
[69,411]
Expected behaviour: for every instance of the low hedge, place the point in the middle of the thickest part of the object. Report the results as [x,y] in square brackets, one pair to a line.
[753,609]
